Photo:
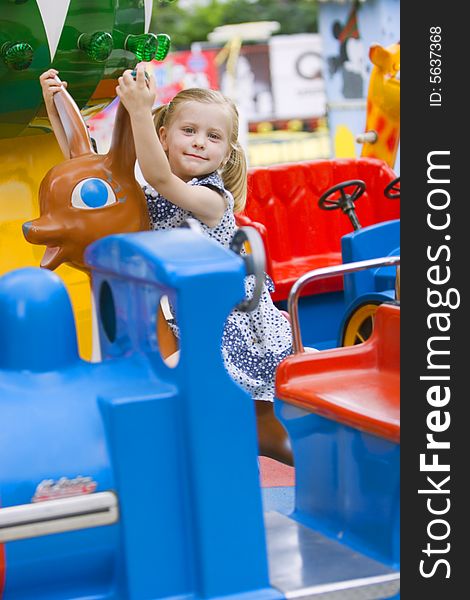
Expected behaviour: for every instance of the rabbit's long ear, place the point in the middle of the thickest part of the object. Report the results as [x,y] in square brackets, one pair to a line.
[122,150]
[74,126]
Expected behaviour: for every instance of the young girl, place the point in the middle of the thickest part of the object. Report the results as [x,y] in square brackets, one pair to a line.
[189,155]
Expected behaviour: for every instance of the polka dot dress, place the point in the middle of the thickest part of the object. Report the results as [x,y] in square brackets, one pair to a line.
[253,343]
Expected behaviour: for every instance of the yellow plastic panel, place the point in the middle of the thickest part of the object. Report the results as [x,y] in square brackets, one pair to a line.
[344,142]
[24,162]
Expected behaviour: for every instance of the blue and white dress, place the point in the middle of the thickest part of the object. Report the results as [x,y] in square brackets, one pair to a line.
[253,343]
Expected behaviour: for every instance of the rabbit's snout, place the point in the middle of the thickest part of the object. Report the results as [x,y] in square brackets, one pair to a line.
[45,232]
[41,231]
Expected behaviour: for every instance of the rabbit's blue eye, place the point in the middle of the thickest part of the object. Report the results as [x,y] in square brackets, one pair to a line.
[93,193]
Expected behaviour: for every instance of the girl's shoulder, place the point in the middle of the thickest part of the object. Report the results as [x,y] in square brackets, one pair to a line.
[215,182]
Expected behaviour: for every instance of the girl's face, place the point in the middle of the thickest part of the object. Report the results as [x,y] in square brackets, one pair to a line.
[197,139]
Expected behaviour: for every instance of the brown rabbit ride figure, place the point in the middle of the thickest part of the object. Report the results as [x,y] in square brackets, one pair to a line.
[90,196]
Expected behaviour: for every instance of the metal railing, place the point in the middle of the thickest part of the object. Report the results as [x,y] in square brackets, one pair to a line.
[325,273]
[57,516]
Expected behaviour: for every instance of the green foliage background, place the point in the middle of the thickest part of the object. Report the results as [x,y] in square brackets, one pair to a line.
[192,24]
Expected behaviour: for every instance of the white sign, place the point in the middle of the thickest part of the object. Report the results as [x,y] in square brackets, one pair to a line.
[296,76]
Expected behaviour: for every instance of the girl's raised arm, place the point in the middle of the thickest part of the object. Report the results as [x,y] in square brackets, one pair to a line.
[138,97]
[50,85]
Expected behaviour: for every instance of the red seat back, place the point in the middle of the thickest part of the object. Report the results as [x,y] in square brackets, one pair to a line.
[357,386]
[386,337]
[284,198]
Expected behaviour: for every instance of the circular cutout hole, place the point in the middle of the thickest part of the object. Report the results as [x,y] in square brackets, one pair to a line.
[107,311]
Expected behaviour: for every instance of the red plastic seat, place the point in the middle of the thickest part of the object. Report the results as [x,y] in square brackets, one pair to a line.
[358,386]
[298,236]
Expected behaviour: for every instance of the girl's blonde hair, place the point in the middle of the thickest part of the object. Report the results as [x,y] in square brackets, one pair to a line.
[234,170]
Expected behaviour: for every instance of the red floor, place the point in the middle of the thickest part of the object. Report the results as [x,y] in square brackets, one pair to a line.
[275,474]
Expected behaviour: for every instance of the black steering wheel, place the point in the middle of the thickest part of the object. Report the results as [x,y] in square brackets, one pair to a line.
[255,262]
[392,190]
[343,195]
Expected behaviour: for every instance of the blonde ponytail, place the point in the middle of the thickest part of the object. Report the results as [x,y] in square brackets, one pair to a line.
[234,176]
[159,116]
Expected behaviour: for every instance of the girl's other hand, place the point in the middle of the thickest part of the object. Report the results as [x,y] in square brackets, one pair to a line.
[50,85]
[137,93]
